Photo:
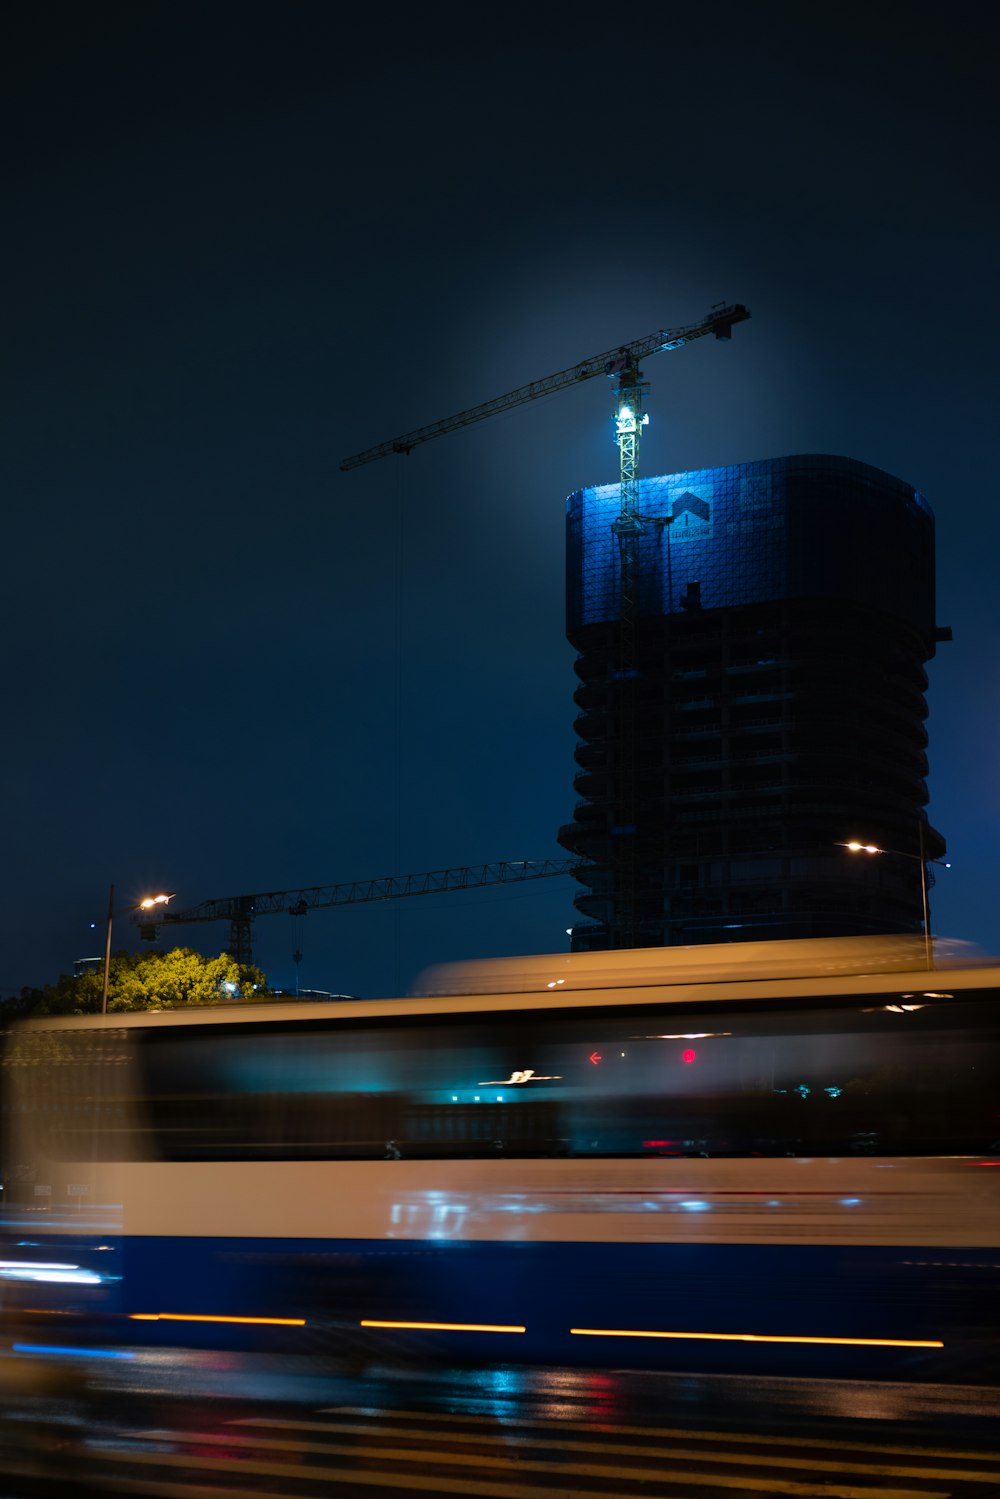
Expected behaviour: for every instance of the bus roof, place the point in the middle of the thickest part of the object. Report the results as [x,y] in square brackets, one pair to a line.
[725,973]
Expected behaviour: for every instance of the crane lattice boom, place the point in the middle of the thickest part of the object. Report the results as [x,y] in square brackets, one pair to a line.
[351,892]
[613,363]
[240,910]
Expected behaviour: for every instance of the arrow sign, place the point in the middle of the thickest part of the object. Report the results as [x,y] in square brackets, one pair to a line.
[595,1057]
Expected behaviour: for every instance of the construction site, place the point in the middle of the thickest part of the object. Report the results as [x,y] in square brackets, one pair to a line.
[751,643]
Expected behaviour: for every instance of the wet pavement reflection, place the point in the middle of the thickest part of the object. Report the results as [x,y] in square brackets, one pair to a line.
[169,1422]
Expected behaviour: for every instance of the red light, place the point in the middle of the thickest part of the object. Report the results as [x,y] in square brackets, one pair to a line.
[595,1057]
[688,1056]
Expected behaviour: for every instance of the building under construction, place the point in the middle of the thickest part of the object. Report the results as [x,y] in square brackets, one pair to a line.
[770,709]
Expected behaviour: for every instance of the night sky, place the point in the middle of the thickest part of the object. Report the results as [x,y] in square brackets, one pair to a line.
[243,240]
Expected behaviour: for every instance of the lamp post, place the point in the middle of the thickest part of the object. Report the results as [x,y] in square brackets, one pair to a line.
[107,952]
[143,905]
[874,848]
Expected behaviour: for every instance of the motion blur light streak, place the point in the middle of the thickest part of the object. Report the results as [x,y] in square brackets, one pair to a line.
[684,1036]
[205,1317]
[521,1075]
[53,1274]
[443,1326]
[35,1264]
[66,1352]
[753,1337]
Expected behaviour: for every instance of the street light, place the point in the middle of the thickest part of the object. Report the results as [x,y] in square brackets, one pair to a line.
[144,905]
[155,900]
[873,848]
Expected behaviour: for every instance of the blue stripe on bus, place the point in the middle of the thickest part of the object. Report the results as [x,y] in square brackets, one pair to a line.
[910,1294]
[790,1290]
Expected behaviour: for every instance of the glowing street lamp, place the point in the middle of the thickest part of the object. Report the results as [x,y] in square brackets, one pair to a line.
[146,904]
[874,848]
[155,900]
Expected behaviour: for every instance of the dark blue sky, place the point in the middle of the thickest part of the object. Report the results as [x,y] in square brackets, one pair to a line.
[246,239]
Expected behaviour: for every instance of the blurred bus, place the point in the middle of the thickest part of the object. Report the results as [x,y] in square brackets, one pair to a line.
[774,1157]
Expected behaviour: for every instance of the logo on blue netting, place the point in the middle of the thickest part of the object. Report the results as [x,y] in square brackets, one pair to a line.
[755,492]
[690,511]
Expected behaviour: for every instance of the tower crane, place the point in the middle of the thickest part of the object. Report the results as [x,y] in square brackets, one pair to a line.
[623,365]
[240,910]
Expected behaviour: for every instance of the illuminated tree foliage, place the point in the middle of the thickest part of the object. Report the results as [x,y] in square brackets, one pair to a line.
[150,981]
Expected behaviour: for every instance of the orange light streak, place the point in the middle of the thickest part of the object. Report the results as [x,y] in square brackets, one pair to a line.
[444,1326]
[754,1337]
[204,1317]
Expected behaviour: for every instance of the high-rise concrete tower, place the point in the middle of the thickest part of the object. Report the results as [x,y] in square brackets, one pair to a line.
[775,710]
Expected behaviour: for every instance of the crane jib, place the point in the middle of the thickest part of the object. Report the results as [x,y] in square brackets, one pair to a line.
[242,909]
[719,322]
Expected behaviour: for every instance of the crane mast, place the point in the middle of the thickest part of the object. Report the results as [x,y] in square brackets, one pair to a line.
[629,422]
[629,419]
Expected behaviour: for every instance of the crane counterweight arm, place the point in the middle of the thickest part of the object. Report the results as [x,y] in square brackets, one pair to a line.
[719,322]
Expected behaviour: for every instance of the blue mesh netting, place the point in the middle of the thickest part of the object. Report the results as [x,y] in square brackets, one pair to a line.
[782,528]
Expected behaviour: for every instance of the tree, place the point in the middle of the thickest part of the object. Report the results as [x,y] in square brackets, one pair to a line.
[154,981]
[20,1006]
